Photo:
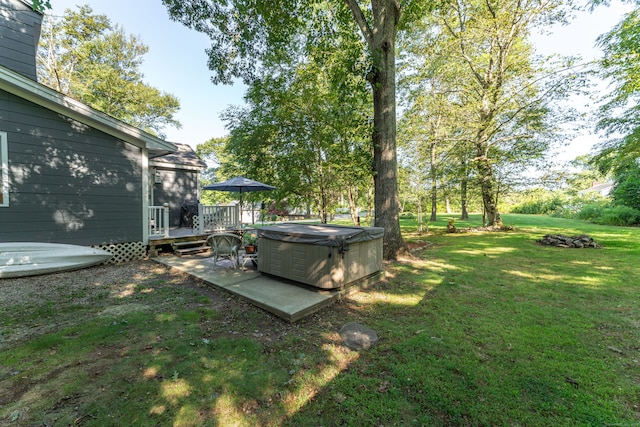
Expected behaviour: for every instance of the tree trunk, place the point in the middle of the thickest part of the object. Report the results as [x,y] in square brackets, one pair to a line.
[488,195]
[386,201]
[464,201]
[463,198]
[367,215]
[434,182]
[352,196]
[483,165]
[321,203]
[323,206]
[380,35]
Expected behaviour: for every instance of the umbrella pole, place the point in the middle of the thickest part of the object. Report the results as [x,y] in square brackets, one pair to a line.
[240,211]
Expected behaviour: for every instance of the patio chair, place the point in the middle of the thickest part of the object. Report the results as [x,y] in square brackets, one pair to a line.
[225,246]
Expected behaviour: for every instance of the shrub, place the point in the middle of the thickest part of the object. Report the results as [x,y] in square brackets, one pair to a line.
[530,207]
[619,215]
[544,205]
[592,211]
[627,189]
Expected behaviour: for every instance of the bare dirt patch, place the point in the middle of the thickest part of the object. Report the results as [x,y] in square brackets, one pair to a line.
[418,245]
[491,228]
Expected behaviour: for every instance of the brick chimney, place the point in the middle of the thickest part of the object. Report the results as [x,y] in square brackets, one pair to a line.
[19,35]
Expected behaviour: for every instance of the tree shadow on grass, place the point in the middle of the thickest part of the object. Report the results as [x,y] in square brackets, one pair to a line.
[495,330]
[469,334]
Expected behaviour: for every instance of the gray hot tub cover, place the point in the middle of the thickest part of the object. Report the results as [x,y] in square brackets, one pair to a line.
[320,234]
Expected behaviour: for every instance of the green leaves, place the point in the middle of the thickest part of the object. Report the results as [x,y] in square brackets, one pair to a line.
[41,5]
[245,35]
[620,114]
[476,91]
[307,124]
[88,58]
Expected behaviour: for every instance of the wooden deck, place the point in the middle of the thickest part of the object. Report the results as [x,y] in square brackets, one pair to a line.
[162,244]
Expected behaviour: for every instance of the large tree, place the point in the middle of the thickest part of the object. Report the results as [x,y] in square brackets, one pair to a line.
[434,117]
[248,34]
[308,127]
[480,60]
[619,116]
[86,57]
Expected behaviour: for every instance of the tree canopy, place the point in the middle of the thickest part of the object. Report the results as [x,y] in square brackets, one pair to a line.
[309,126]
[85,56]
[249,36]
[619,115]
[476,90]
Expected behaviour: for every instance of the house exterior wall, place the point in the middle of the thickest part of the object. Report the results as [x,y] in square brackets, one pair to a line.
[68,183]
[175,186]
[19,35]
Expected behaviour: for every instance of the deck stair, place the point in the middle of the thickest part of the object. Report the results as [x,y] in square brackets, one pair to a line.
[170,244]
[189,246]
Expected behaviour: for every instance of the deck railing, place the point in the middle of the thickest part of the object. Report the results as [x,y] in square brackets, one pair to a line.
[215,218]
[159,221]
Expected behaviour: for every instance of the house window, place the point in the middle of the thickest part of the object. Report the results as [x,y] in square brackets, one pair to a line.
[4,170]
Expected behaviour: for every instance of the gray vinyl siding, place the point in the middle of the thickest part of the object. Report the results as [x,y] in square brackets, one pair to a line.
[19,34]
[177,186]
[68,183]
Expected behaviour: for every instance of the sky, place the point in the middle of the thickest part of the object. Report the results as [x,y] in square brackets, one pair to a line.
[177,62]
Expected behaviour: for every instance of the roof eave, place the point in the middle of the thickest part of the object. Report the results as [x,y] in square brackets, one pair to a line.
[39,94]
[29,4]
[181,166]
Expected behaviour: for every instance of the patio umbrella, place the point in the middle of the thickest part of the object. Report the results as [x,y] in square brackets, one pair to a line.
[240,185]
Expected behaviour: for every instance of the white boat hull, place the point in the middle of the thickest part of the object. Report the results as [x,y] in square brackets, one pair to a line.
[22,259]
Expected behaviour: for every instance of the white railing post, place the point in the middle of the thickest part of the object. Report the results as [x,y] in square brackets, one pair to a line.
[216,218]
[159,220]
[151,223]
[200,219]
[154,222]
[165,219]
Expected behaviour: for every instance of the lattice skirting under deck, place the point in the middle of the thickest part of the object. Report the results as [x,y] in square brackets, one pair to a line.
[124,252]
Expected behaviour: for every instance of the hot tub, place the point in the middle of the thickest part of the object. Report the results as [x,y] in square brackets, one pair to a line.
[324,256]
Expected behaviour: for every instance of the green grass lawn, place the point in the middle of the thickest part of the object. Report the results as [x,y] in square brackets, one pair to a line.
[478,328]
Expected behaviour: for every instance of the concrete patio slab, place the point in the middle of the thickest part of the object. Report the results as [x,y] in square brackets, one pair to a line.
[221,274]
[286,300]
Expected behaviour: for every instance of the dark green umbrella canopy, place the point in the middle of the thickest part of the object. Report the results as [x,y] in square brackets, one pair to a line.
[239,184]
